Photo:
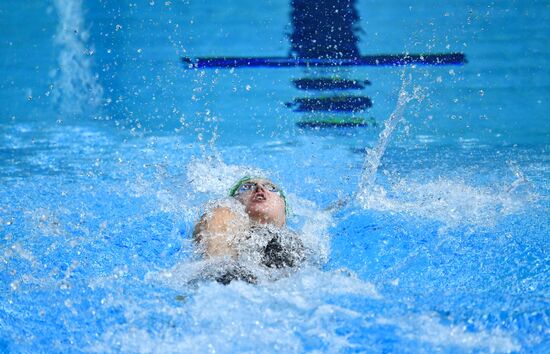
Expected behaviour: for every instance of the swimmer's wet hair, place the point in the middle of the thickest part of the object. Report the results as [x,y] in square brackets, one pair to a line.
[233,190]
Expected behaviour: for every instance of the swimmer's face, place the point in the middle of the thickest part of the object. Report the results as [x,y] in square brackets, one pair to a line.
[262,201]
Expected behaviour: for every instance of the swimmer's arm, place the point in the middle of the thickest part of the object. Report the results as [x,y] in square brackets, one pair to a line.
[215,230]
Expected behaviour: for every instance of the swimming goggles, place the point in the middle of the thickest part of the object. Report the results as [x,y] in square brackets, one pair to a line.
[244,185]
[248,186]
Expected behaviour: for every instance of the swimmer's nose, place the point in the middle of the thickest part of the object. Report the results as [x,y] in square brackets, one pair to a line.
[260,187]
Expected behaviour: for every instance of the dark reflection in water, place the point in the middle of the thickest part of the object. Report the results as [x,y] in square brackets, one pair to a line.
[324,29]
[331,104]
[325,34]
[325,84]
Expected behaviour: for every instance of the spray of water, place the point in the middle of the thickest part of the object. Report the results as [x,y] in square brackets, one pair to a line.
[374,156]
[450,201]
[211,178]
[429,329]
[76,88]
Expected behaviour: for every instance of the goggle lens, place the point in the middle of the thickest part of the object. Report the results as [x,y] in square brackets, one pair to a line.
[248,186]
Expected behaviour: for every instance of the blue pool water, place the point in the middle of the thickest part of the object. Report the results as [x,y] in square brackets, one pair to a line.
[110,146]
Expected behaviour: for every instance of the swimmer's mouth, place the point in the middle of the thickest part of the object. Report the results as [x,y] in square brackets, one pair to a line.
[259,197]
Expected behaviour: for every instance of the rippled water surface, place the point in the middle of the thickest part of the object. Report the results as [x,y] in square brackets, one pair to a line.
[110,146]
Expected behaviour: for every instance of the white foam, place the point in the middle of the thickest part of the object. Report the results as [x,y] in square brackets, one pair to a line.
[270,317]
[450,201]
[429,329]
[214,177]
[315,228]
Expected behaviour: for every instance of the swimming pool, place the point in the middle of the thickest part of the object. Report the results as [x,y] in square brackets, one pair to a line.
[110,146]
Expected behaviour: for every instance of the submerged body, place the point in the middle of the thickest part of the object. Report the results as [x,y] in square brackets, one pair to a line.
[248,233]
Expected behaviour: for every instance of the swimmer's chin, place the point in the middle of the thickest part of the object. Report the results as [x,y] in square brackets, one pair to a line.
[261,216]
[258,201]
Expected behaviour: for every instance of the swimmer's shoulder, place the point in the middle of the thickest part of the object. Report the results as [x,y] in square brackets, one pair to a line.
[221,217]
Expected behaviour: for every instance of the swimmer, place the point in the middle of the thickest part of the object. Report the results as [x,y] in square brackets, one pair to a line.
[249,228]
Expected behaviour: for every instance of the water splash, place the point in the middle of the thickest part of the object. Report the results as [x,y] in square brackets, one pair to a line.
[449,201]
[213,176]
[429,329]
[208,181]
[76,88]
[314,231]
[290,315]
[520,177]
[374,155]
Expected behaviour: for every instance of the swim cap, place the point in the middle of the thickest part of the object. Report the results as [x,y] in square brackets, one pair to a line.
[233,190]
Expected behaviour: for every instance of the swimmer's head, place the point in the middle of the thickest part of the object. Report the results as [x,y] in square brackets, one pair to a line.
[264,201]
